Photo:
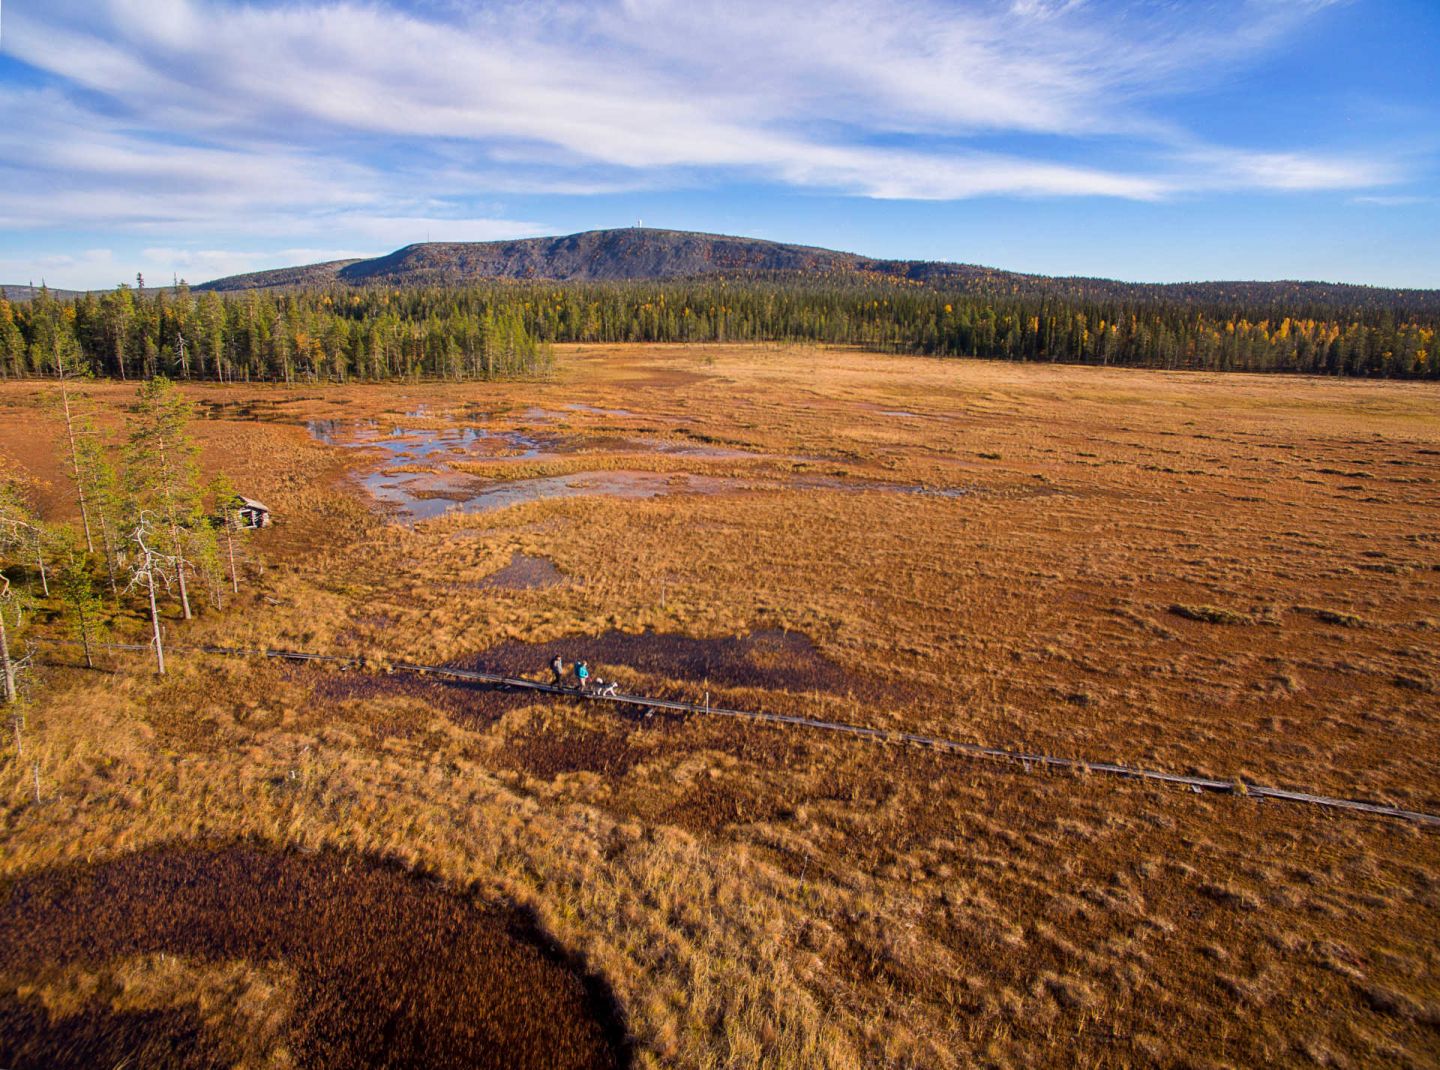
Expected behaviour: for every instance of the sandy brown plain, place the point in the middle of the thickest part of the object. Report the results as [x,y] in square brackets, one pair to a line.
[1230,575]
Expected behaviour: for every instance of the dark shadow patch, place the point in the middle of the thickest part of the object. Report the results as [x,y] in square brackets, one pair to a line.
[523,573]
[392,970]
[671,666]
[769,660]
[99,1036]
[476,706]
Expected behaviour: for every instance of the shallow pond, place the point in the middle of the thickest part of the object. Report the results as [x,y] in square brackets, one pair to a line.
[430,495]
[524,573]
[421,444]
[435,488]
[439,489]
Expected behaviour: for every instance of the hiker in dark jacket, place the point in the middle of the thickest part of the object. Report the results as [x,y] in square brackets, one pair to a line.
[582,675]
[558,668]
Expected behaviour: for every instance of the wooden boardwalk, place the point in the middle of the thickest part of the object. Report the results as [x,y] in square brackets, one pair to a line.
[878,735]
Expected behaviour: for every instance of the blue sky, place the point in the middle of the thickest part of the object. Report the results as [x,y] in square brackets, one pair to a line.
[1155,140]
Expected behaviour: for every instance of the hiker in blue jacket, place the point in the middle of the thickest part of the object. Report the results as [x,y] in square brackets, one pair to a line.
[582,675]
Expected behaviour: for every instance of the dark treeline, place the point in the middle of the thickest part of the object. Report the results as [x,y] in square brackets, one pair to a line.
[268,336]
[1369,341]
[502,328]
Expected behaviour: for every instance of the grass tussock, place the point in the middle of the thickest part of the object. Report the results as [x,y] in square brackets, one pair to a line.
[1334,616]
[1210,614]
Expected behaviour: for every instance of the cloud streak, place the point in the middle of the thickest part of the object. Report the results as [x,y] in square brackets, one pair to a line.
[301,117]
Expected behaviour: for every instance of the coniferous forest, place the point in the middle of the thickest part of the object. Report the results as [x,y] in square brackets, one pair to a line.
[502,328]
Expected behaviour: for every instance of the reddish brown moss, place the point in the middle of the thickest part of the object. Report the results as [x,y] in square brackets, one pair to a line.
[392,970]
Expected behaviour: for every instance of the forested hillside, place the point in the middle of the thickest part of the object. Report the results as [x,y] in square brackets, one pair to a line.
[635,254]
[500,328]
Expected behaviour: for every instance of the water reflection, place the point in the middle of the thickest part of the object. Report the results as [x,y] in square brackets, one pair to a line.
[439,489]
[418,444]
[422,498]
[415,474]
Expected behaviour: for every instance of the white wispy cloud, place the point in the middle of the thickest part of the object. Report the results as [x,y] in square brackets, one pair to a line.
[100,265]
[1399,200]
[303,117]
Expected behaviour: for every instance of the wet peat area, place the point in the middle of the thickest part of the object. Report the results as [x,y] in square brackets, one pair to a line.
[392,970]
[770,660]
[411,471]
[621,736]
[416,478]
[524,573]
[427,496]
[571,748]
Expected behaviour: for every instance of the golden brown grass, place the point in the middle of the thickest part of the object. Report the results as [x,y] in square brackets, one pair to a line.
[758,898]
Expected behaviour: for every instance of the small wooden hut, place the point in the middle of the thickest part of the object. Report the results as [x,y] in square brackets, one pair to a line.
[252,514]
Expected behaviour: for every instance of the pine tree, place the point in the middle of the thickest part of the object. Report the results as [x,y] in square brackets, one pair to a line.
[96,473]
[161,473]
[67,359]
[118,311]
[12,343]
[77,593]
[222,494]
[202,557]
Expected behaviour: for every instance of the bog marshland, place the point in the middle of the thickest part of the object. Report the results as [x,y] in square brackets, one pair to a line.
[1232,576]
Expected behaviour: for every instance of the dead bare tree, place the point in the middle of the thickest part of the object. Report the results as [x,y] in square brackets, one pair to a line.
[39,540]
[7,665]
[229,525]
[148,565]
[13,666]
[15,531]
[64,374]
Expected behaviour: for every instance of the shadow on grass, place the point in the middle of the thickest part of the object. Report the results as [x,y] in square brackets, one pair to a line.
[392,969]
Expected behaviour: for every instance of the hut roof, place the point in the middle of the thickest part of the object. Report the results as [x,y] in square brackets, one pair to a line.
[251,503]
